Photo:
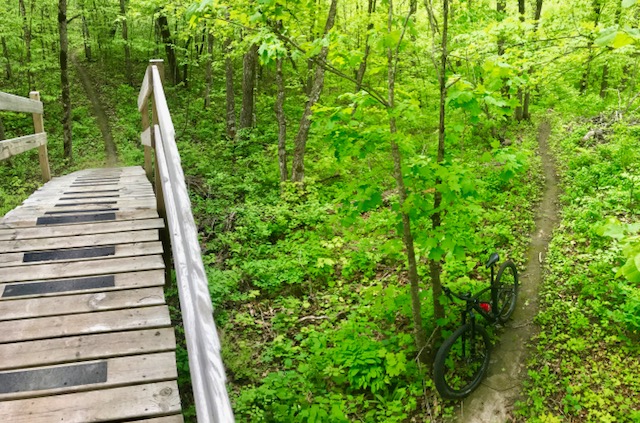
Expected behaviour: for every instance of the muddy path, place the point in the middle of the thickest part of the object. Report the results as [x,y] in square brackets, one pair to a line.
[493,401]
[98,111]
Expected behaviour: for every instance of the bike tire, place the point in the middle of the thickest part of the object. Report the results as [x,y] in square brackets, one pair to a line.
[507,285]
[462,361]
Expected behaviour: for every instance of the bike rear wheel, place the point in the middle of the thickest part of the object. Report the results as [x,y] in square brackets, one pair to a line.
[462,361]
[506,284]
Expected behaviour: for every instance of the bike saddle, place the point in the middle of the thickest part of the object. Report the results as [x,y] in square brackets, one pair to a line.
[493,259]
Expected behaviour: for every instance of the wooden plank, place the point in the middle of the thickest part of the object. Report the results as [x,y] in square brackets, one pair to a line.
[86,347]
[65,255]
[58,287]
[120,371]
[17,221]
[14,103]
[74,230]
[81,268]
[86,323]
[79,241]
[15,146]
[176,418]
[81,303]
[148,400]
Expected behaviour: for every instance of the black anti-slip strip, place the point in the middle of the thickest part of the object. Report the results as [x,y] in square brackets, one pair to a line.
[56,377]
[70,254]
[82,211]
[86,203]
[90,196]
[93,184]
[78,218]
[91,192]
[65,285]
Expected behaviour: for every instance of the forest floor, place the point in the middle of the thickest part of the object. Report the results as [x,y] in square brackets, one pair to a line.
[493,401]
[98,111]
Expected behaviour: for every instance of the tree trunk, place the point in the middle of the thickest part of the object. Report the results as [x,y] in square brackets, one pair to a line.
[435,265]
[367,49]
[526,115]
[2,135]
[86,39]
[282,122]
[125,37]
[209,71]
[26,33]
[231,101]
[604,84]
[165,33]
[7,58]
[300,143]
[501,7]
[420,337]
[584,82]
[64,79]
[519,112]
[249,63]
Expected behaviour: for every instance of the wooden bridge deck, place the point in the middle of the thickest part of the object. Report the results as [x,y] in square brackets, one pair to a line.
[85,333]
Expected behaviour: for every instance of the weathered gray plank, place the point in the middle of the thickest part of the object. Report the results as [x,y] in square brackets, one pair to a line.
[73,230]
[16,103]
[15,146]
[18,220]
[81,303]
[57,287]
[79,241]
[21,259]
[120,371]
[86,323]
[85,347]
[80,268]
[155,399]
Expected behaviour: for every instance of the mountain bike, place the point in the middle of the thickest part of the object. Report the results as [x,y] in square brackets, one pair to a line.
[462,361]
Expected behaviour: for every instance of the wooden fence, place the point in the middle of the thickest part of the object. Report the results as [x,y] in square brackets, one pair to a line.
[15,146]
[203,346]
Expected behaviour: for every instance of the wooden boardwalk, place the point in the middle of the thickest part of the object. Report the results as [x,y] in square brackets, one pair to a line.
[85,333]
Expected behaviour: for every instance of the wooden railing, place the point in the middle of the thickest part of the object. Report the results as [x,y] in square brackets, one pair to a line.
[203,346]
[15,146]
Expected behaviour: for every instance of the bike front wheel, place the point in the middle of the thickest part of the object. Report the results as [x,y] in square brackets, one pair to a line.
[462,361]
[506,285]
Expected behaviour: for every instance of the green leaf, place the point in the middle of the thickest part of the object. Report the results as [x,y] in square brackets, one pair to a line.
[628,3]
[622,39]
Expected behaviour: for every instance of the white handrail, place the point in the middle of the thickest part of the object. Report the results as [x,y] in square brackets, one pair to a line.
[203,345]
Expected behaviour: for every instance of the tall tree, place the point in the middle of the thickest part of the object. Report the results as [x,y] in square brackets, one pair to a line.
[407,236]
[125,38]
[230,96]
[282,122]
[300,142]
[435,265]
[249,63]
[596,7]
[209,69]
[26,34]
[169,46]
[527,95]
[64,79]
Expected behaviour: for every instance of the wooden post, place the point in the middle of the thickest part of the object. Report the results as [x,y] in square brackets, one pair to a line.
[38,126]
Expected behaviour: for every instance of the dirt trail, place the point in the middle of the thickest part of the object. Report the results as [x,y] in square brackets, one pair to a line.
[98,111]
[493,401]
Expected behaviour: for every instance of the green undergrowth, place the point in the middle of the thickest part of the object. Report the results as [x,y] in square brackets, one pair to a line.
[309,286]
[585,363]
